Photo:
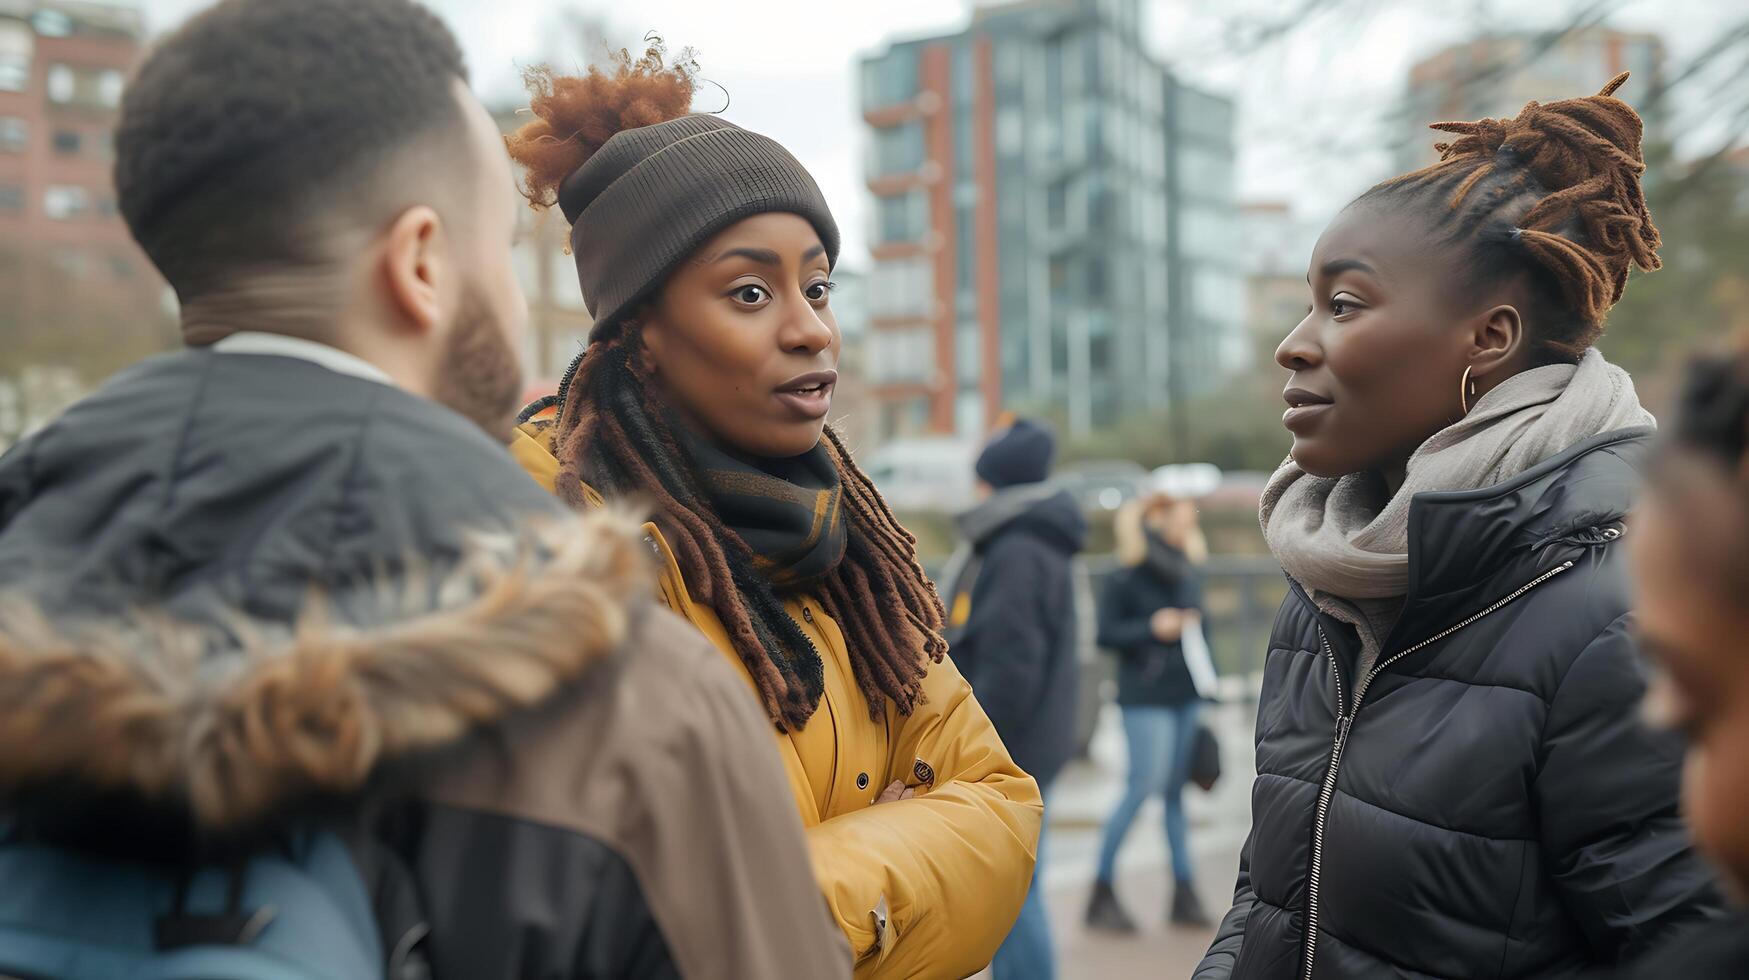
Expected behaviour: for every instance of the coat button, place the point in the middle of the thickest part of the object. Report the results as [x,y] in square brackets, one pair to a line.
[862,780]
[808,614]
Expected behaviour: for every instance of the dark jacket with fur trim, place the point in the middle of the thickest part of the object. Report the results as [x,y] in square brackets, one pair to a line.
[244,588]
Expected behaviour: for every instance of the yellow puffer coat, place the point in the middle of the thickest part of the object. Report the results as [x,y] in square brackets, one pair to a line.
[925,887]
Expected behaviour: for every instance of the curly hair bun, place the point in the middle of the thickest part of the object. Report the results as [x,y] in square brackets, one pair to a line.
[575,115]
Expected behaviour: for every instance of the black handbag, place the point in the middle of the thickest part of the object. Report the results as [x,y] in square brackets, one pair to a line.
[1205,758]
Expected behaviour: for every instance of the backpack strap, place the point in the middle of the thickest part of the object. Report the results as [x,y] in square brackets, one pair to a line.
[232,926]
[397,902]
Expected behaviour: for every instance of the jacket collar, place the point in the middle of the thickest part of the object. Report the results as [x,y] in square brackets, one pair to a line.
[280,345]
[1466,545]
[143,712]
[1046,507]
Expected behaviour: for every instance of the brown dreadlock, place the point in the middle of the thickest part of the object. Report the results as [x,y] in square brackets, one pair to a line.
[614,436]
[1553,192]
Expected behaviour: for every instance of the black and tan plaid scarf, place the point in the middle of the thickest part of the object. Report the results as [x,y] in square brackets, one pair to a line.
[789,511]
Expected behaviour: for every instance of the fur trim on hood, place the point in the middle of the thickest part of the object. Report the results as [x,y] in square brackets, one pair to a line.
[144,708]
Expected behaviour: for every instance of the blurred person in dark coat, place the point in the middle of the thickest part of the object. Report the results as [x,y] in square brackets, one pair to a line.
[1012,630]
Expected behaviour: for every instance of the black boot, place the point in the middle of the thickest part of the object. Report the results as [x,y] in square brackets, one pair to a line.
[1105,912]
[1187,909]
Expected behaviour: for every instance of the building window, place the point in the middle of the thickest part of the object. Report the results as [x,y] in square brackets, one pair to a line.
[1099,355]
[17,44]
[896,150]
[890,79]
[901,356]
[963,79]
[1008,63]
[968,354]
[67,142]
[1202,115]
[62,83]
[69,261]
[968,414]
[1205,173]
[109,86]
[1217,295]
[1208,233]
[1010,132]
[11,199]
[98,88]
[902,288]
[64,203]
[52,23]
[965,252]
[14,132]
[1058,276]
[1096,278]
[901,217]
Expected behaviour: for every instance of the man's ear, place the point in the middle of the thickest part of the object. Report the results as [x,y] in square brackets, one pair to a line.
[414,268]
[1498,338]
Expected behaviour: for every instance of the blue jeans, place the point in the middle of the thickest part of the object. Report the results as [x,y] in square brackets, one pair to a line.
[1160,744]
[1027,953]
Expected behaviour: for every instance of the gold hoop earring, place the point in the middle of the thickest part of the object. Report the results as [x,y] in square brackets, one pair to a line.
[1466,389]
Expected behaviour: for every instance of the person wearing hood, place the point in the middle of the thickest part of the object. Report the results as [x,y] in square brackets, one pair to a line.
[281,618]
[1453,778]
[1147,609]
[1012,631]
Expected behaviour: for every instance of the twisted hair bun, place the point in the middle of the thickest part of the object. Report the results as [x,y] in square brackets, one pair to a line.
[1559,186]
[1586,152]
[575,115]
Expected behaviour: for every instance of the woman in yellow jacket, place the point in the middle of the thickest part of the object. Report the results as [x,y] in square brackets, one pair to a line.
[704,253]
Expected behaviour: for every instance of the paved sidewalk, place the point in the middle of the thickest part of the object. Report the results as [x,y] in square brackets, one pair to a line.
[1082,797]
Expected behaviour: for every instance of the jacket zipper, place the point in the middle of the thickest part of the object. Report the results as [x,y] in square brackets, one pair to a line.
[1345,724]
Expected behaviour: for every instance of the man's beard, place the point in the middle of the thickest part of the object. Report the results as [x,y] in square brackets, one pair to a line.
[480,376]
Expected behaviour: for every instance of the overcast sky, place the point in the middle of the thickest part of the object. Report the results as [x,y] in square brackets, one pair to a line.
[791,67]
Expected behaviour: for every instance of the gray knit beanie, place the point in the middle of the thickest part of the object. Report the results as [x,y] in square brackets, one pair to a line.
[652,195]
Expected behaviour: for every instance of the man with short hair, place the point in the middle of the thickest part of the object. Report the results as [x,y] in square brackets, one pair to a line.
[287,586]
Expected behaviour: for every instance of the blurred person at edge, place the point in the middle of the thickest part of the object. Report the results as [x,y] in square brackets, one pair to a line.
[486,691]
[1453,779]
[1145,610]
[1012,631]
[1691,564]
[704,253]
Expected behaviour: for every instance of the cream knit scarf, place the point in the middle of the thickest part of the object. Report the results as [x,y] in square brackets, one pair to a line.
[1347,541]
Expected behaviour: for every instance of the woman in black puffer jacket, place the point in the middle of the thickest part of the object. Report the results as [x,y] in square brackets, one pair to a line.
[1452,777]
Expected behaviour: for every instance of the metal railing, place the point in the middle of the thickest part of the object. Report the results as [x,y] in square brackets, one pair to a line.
[1240,597]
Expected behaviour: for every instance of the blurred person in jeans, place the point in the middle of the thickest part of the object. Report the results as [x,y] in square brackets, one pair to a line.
[1012,631]
[1691,562]
[1145,611]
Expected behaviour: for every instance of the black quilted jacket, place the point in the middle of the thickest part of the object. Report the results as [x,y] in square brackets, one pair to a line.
[1486,803]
